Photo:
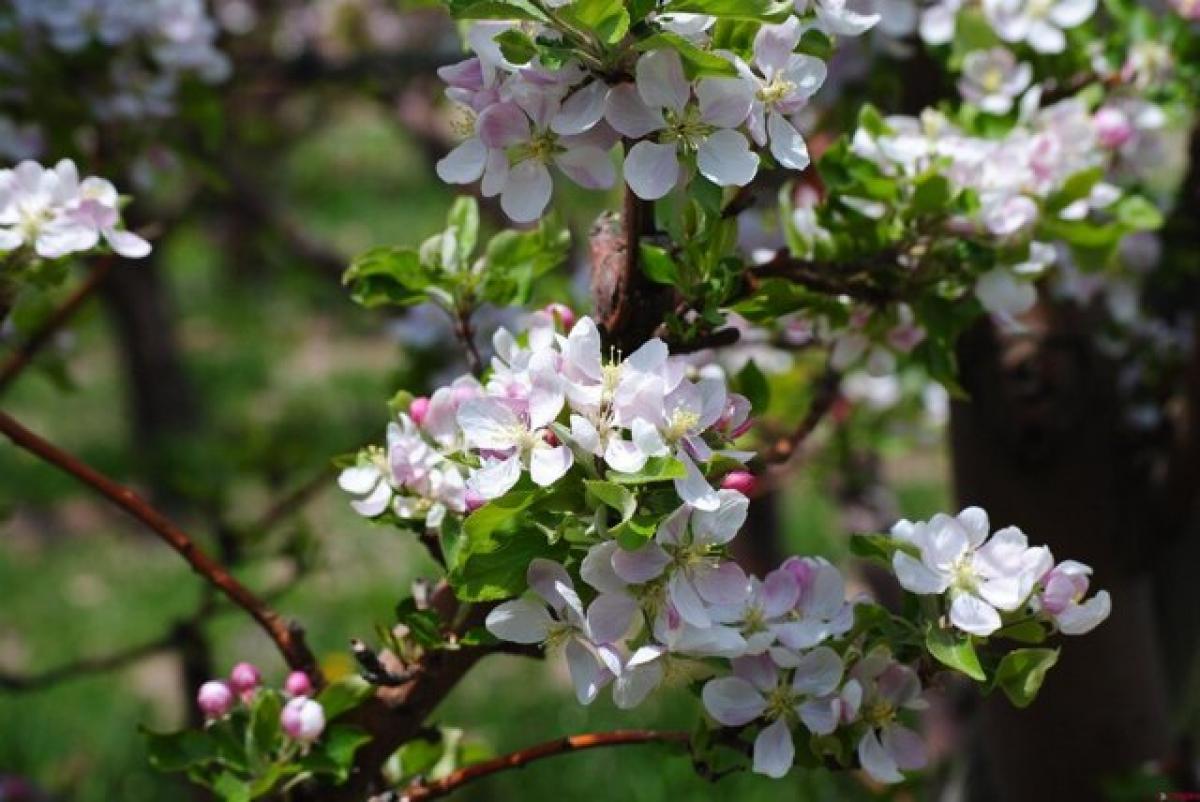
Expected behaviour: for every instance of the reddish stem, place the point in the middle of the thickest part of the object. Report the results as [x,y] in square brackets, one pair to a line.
[288,637]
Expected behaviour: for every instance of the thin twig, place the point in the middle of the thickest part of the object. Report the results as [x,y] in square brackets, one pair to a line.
[20,359]
[824,397]
[288,636]
[291,503]
[466,335]
[435,789]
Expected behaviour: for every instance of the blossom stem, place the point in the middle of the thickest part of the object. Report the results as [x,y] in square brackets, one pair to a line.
[288,636]
[826,393]
[435,789]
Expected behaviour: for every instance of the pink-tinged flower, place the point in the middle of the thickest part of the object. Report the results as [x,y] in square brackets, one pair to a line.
[660,103]
[298,684]
[762,610]
[563,315]
[513,431]
[981,577]
[788,79]
[215,699]
[557,620]
[993,79]
[888,747]
[821,611]
[244,678]
[759,689]
[1062,598]
[1040,23]
[302,719]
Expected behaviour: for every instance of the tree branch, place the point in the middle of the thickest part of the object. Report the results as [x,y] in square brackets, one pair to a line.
[853,280]
[19,359]
[288,636]
[824,397]
[422,791]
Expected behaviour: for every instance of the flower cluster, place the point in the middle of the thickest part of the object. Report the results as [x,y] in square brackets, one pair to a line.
[302,718]
[153,43]
[527,117]
[52,213]
[553,402]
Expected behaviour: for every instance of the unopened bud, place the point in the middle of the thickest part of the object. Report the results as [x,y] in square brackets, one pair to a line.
[562,314]
[298,684]
[244,678]
[1113,128]
[419,409]
[303,719]
[215,699]
[743,482]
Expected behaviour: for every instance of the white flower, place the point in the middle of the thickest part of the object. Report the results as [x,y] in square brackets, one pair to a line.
[887,687]
[992,79]
[1040,23]
[660,103]
[981,577]
[835,19]
[1005,296]
[1061,598]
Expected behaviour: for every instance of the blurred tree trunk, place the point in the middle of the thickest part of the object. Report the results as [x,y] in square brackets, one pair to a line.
[1042,444]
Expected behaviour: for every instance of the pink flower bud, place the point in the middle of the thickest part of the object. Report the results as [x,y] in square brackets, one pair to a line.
[298,684]
[244,678]
[1113,128]
[215,699]
[562,314]
[473,500]
[742,481]
[303,719]
[550,438]
[419,409]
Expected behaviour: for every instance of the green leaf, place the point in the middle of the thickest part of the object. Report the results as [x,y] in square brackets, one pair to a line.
[517,47]
[1139,214]
[757,10]
[387,276]
[954,649]
[516,258]
[656,469]
[1021,673]
[424,626]
[608,18]
[754,385]
[334,753]
[179,751]
[419,756]
[932,195]
[879,548]
[1077,187]
[611,494]
[495,9]
[344,694]
[1023,632]
[635,532]
[264,733]
[495,566]
[658,265]
[497,513]
[231,788]
[697,63]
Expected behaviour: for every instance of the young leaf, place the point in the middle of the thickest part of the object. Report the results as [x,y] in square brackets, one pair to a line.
[658,265]
[954,649]
[344,694]
[1021,673]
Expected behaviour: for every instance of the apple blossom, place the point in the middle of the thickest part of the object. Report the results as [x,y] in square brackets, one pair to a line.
[1040,23]
[982,577]
[992,79]
[888,747]
[215,699]
[244,678]
[1061,598]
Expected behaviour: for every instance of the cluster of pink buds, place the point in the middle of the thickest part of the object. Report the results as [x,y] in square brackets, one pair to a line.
[302,718]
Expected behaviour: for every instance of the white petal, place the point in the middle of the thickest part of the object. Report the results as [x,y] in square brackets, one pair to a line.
[623,456]
[375,503]
[818,673]
[589,167]
[787,146]
[916,577]
[1079,619]
[661,82]
[489,423]
[725,159]
[628,113]
[821,716]
[464,164]
[636,682]
[651,169]
[597,568]
[687,601]
[774,750]
[582,110]
[905,747]
[548,464]
[718,526]
[497,477]
[725,102]
[609,616]
[127,244]
[520,621]
[972,614]
[975,521]
[527,191]
[876,761]
[638,567]
[588,676]
[732,701]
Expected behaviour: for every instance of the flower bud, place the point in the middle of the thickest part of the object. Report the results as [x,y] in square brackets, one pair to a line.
[215,699]
[562,314]
[1113,128]
[244,678]
[303,719]
[419,409]
[743,482]
[298,684]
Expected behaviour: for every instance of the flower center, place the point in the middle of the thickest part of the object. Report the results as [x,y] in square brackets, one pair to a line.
[542,147]
[781,702]
[963,576]
[681,422]
[775,91]
[878,713]
[993,79]
[686,128]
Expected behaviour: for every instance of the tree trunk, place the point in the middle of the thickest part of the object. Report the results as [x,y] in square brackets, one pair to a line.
[1041,445]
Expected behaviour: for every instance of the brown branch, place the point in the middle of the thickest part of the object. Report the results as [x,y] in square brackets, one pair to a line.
[857,281]
[824,397]
[465,332]
[288,636]
[20,358]
[85,667]
[435,789]
[290,504]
